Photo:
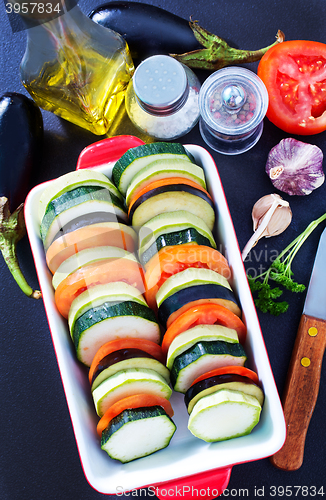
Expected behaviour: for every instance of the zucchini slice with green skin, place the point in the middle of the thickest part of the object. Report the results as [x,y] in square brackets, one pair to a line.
[190,277]
[137,433]
[161,169]
[202,357]
[111,321]
[223,415]
[126,383]
[117,291]
[88,256]
[178,302]
[81,201]
[172,223]
[216,383]
[172,198]
[72,180]
[126,359]
[135,159]
[190,235]
[197,334]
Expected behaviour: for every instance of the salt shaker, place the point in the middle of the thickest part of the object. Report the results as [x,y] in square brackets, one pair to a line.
[232,103]
[162,98]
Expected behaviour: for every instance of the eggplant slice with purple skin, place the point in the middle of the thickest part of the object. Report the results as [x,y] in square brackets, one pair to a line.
[216,383]
[171,198]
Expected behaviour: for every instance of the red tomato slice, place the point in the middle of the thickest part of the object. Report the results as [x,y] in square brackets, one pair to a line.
[136,401]
[115,345]
[107,271]
[204,314]
[294,73]
[234,370]
[177,258]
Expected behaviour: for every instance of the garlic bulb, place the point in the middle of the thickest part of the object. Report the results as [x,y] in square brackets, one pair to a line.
[271,215]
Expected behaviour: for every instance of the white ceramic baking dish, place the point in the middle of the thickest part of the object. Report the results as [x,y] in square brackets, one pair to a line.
[188,462]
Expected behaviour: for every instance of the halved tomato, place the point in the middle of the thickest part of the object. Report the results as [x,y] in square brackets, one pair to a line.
[294,73]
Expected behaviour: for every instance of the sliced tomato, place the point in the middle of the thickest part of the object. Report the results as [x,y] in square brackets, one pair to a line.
[136,401]
[165,182]
[233,370]
[94,235]
[115,345]
[204,314]
[174,259]
[107,271]
[294,73]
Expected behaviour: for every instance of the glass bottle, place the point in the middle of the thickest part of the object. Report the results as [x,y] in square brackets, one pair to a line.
[162,98]
[74,67]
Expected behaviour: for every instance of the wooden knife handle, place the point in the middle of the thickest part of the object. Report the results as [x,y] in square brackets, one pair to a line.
[301,390]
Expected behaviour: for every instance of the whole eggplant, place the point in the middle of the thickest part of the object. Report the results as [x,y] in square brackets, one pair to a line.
[21,135]
[148,30]
[21,138]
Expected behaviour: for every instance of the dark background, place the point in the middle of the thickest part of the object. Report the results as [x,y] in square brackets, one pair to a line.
[38,454]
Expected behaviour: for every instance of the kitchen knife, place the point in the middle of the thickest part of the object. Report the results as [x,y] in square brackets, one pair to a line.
[303,377]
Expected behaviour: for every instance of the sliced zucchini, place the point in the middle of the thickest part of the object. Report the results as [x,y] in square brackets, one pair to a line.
[111,321]
[171,198]
[127,383]
[125,360]
[81,201]
[189,278]
[202,357]
[171,222]
[72,180]
[135,159]
[199,333]
[216,383]
[223,415]
[190,235]
[117,291]
[137,432]
[161,169]
[88,256]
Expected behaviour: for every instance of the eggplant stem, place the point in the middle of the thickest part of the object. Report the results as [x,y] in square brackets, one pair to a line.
[217,53]
[12,229]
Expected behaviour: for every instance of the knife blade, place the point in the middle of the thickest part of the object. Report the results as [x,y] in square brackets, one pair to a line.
[303,377]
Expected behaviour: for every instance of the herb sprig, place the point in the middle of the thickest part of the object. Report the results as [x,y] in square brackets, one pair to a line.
[281,273]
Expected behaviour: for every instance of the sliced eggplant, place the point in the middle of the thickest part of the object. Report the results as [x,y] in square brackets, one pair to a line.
[171,198]
[125,359]
[188,278]
[162,169]
[175,304]
[216,383]
[81,201]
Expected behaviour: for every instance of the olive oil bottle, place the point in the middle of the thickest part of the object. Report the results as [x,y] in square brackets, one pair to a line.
[75,68]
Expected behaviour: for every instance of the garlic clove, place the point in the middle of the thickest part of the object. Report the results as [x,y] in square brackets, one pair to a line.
[262,206]
[271,215]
